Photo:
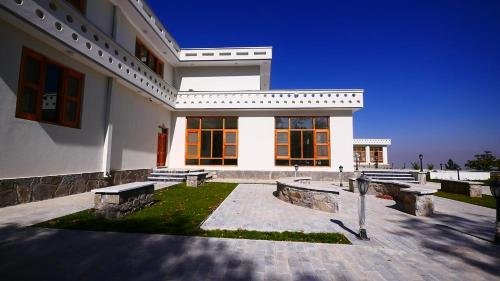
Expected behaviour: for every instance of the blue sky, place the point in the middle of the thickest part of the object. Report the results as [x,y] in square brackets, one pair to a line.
[430,68]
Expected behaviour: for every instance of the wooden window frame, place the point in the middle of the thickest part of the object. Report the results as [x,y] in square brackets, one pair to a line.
[62,98]
[362,153]
[81,6]
[315,142]
[199,131]
[158,68]
[376,150]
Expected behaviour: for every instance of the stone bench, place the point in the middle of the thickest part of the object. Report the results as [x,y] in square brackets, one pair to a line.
[119,200]
[410,198]
[353,185]
[472,189]
[299,191]
[196,179]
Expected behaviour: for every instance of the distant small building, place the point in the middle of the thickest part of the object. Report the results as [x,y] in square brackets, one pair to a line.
[371,152]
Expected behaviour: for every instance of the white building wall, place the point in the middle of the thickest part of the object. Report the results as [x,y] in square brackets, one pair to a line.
[256,141]
[30,148]
[218,78]
[135,122]
[100,13]
[125,32]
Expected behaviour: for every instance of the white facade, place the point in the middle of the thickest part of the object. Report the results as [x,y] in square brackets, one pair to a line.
[368,146]
[125,104]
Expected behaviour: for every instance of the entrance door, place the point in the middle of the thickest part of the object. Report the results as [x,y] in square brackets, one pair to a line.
[161,156]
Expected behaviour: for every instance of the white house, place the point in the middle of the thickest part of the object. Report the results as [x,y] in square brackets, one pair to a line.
[98,92]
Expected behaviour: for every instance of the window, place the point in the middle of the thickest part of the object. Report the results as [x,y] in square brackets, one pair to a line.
[302,140]
[212,141]
[362,153]
[48,91]
[376,155]
[147,57]
[80,5]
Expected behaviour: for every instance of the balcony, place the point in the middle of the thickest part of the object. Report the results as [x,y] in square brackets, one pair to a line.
[64,24]
[286,99]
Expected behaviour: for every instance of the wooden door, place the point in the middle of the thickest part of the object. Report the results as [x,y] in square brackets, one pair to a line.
[161,156]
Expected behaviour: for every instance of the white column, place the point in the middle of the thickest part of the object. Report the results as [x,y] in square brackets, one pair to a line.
[384,155]
[108,127]
[341,139]
[367,152]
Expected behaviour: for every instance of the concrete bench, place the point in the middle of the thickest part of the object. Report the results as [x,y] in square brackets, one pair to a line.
[472,189]
[120,200]
[353,185]
[410,198]
[299,191]
[196,179]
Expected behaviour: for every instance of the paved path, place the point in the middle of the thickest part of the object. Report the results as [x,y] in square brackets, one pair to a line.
[403,247]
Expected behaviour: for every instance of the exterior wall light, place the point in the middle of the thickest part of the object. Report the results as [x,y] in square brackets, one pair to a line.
[363,183]
[356,157]
[296,166]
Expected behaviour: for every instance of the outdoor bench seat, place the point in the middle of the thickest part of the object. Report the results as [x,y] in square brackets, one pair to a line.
[119,200]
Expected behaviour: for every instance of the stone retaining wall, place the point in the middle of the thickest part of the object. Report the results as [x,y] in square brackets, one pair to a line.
[24,190]
[274,175]
[327,201]
[112,206]
[462,187]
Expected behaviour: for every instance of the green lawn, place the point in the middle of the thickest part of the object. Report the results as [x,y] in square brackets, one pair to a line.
[180,210]
[485,201]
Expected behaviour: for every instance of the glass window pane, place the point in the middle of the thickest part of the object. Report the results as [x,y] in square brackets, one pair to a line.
[308,144]
[282,150]
[281,122]
[282,162]
[321,123]
[282,137]
[206,140]
[230,137]
[301,123]
[211,123]
[32,70]
[230,161]
[28,100]
[322,151]
[50,94]
[193,137]
[230,151]
[72,86]
[217,144]
[231,123]
[193,123]
[71,107]
[191,161]
[302,162]
[321,137]
[192,150]
[211,161]
[322,162]
[295,144]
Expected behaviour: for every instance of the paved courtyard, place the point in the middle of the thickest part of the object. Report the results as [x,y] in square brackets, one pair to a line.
[403,247]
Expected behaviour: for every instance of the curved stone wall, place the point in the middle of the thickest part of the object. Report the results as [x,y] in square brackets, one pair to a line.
[299,191]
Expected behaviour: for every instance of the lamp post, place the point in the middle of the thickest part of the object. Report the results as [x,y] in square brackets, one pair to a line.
[441,165]
[420,156]
[340,170]
[363,183]
[296,166]
[458,173]
[356,157]
[495,191]
[376,161]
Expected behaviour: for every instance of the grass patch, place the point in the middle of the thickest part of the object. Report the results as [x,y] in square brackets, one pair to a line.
[180,210]
[485,201]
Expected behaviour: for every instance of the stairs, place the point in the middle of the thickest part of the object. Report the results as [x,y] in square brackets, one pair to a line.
[171,175]
[390,175]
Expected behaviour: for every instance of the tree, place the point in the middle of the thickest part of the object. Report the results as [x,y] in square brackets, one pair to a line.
[430,166]
[483,161]
[415,165]
[451,165]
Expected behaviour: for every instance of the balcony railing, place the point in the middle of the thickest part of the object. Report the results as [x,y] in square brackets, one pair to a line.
[69,27]
[293,99]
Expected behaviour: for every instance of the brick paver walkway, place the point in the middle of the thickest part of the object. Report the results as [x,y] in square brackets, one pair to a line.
[403,247]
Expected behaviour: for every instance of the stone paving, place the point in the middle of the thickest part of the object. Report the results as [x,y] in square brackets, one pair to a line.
[403,247]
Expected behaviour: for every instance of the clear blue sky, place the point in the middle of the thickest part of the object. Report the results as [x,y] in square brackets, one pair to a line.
[430,68]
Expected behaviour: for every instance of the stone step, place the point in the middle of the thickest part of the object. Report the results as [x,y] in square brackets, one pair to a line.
[388,175]
[176,171]
[163,179]
[173,175]
[394,178]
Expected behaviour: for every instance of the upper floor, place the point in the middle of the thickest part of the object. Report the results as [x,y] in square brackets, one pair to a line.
[126,40]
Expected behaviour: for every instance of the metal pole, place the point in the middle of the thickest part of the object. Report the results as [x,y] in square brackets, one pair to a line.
[497,233]
[362,219]
[458,174]
[341,179]
[421,165]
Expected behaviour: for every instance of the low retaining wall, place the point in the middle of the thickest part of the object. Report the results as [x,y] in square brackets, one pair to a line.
[118,201]
[25,190]
[409,198]
[462,187]
[275,175]
[464,175]
[299,191]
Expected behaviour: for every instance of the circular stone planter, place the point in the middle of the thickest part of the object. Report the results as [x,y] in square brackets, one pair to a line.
[299,191]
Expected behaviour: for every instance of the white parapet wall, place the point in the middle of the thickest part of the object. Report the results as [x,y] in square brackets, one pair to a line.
[464,175]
